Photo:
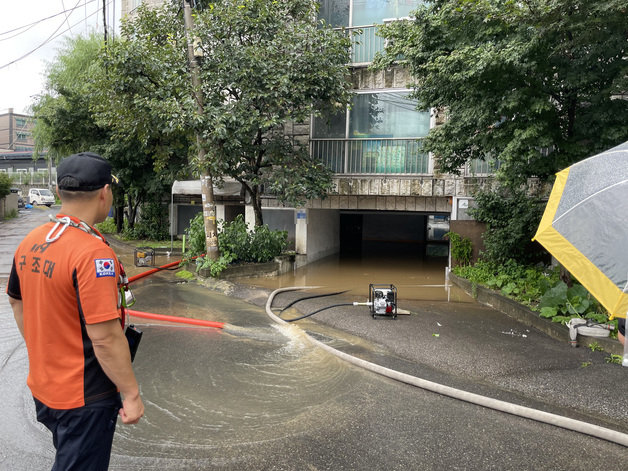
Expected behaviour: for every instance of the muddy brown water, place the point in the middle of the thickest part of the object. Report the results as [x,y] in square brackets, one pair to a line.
[416,278]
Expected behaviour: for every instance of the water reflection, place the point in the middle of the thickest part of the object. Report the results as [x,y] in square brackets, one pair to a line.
[416,278]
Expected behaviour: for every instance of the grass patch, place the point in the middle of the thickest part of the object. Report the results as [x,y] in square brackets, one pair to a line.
[186,275]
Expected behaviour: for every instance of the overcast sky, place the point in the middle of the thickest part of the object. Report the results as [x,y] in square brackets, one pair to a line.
[31,33]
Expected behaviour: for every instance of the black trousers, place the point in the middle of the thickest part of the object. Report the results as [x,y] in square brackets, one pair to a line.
[81,436]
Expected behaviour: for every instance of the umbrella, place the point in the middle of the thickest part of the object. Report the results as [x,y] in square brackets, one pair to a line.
[585,225]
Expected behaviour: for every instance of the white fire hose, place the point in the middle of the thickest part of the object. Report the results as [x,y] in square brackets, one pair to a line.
[514,409]
[583,327]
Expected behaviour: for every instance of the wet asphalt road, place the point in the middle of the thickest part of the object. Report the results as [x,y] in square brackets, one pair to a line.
[349,418]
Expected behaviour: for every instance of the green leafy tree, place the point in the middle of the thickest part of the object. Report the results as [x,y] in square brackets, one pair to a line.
[264,64]
[68,122]
[535,84]
[64,122]
[511,216]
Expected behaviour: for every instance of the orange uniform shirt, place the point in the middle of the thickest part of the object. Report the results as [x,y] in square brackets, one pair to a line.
[65,285]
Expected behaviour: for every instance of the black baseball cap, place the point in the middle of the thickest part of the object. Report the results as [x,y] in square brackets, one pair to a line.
[84,171]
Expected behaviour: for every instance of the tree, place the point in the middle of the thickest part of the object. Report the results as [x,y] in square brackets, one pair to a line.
[535,84]
[264,64]
[64,124]
[5,185]
[67,122]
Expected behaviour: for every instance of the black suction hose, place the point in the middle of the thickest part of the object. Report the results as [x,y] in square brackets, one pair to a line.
[316,312]
[311,297]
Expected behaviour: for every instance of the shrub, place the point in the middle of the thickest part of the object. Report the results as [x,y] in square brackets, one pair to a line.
[5,185]
[152,224]
[108,226]
[236,243]
[195,236]
[511,217]
[461,248]
[538,287]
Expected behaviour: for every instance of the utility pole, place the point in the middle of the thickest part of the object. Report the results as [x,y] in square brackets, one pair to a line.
[207,185]
[104,19]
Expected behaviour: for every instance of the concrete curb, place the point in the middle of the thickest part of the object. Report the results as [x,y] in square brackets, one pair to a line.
[528,317]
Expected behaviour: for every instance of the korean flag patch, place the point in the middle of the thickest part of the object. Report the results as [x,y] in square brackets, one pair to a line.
[105,267]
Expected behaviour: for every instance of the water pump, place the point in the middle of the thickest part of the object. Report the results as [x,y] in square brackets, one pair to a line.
[383,300]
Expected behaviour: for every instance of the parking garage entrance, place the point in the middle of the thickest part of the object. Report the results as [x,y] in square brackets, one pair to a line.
[393,234]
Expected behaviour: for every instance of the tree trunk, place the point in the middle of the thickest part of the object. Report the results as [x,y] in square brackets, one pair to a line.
[118,212]
[256,201]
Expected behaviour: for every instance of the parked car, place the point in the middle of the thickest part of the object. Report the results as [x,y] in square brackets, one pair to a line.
[41,196]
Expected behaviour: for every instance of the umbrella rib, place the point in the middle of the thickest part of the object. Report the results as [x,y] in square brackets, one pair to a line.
[588,198]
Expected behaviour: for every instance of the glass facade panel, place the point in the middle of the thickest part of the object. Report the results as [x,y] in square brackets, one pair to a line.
[386,115]
[368,12]
[330,127]
[334,12]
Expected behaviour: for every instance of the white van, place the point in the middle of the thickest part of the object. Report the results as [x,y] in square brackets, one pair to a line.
[41,196]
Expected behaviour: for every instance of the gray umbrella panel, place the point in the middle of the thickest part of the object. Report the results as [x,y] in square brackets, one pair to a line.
[593,212]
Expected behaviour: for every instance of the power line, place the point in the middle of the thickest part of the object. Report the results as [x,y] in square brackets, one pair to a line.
[49,39]
[30,25]
[67,17]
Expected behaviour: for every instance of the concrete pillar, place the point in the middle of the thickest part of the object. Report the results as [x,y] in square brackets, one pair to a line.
[249,216]
[300,231]
[220,212]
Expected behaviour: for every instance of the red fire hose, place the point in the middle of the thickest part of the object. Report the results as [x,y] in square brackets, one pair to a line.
[154,270]
[166,318]
[177,319]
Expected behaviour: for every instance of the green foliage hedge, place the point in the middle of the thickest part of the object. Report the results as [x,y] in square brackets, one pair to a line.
[538,287]
[236,243]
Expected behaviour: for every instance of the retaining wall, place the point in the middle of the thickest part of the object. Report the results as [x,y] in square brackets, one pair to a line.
[528,317]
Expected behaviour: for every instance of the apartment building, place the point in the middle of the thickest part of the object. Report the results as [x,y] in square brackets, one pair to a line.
[16,132]
[387,194]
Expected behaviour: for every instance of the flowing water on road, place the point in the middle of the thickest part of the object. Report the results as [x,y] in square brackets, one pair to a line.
[257,395]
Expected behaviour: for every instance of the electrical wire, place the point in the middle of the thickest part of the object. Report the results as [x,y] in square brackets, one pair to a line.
[30,25]
[67,17]
[50,39]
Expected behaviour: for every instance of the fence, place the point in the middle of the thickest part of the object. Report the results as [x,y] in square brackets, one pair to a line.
[38,178]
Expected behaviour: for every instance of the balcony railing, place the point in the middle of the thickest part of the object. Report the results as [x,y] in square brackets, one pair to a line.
[371,156]
[481,168]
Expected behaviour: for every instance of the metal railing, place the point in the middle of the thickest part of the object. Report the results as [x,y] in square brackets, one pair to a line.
[30,178]
[371,156]
[481,168]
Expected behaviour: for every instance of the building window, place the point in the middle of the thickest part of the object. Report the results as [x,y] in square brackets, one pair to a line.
[22,136]
[365,12]
[387,115]
[376,115]
[360,18]
[380,133]
[20,122]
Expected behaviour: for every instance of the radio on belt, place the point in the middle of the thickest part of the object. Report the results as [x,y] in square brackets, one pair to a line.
[383,300]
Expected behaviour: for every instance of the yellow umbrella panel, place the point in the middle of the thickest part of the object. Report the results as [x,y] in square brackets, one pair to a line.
[585,226]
